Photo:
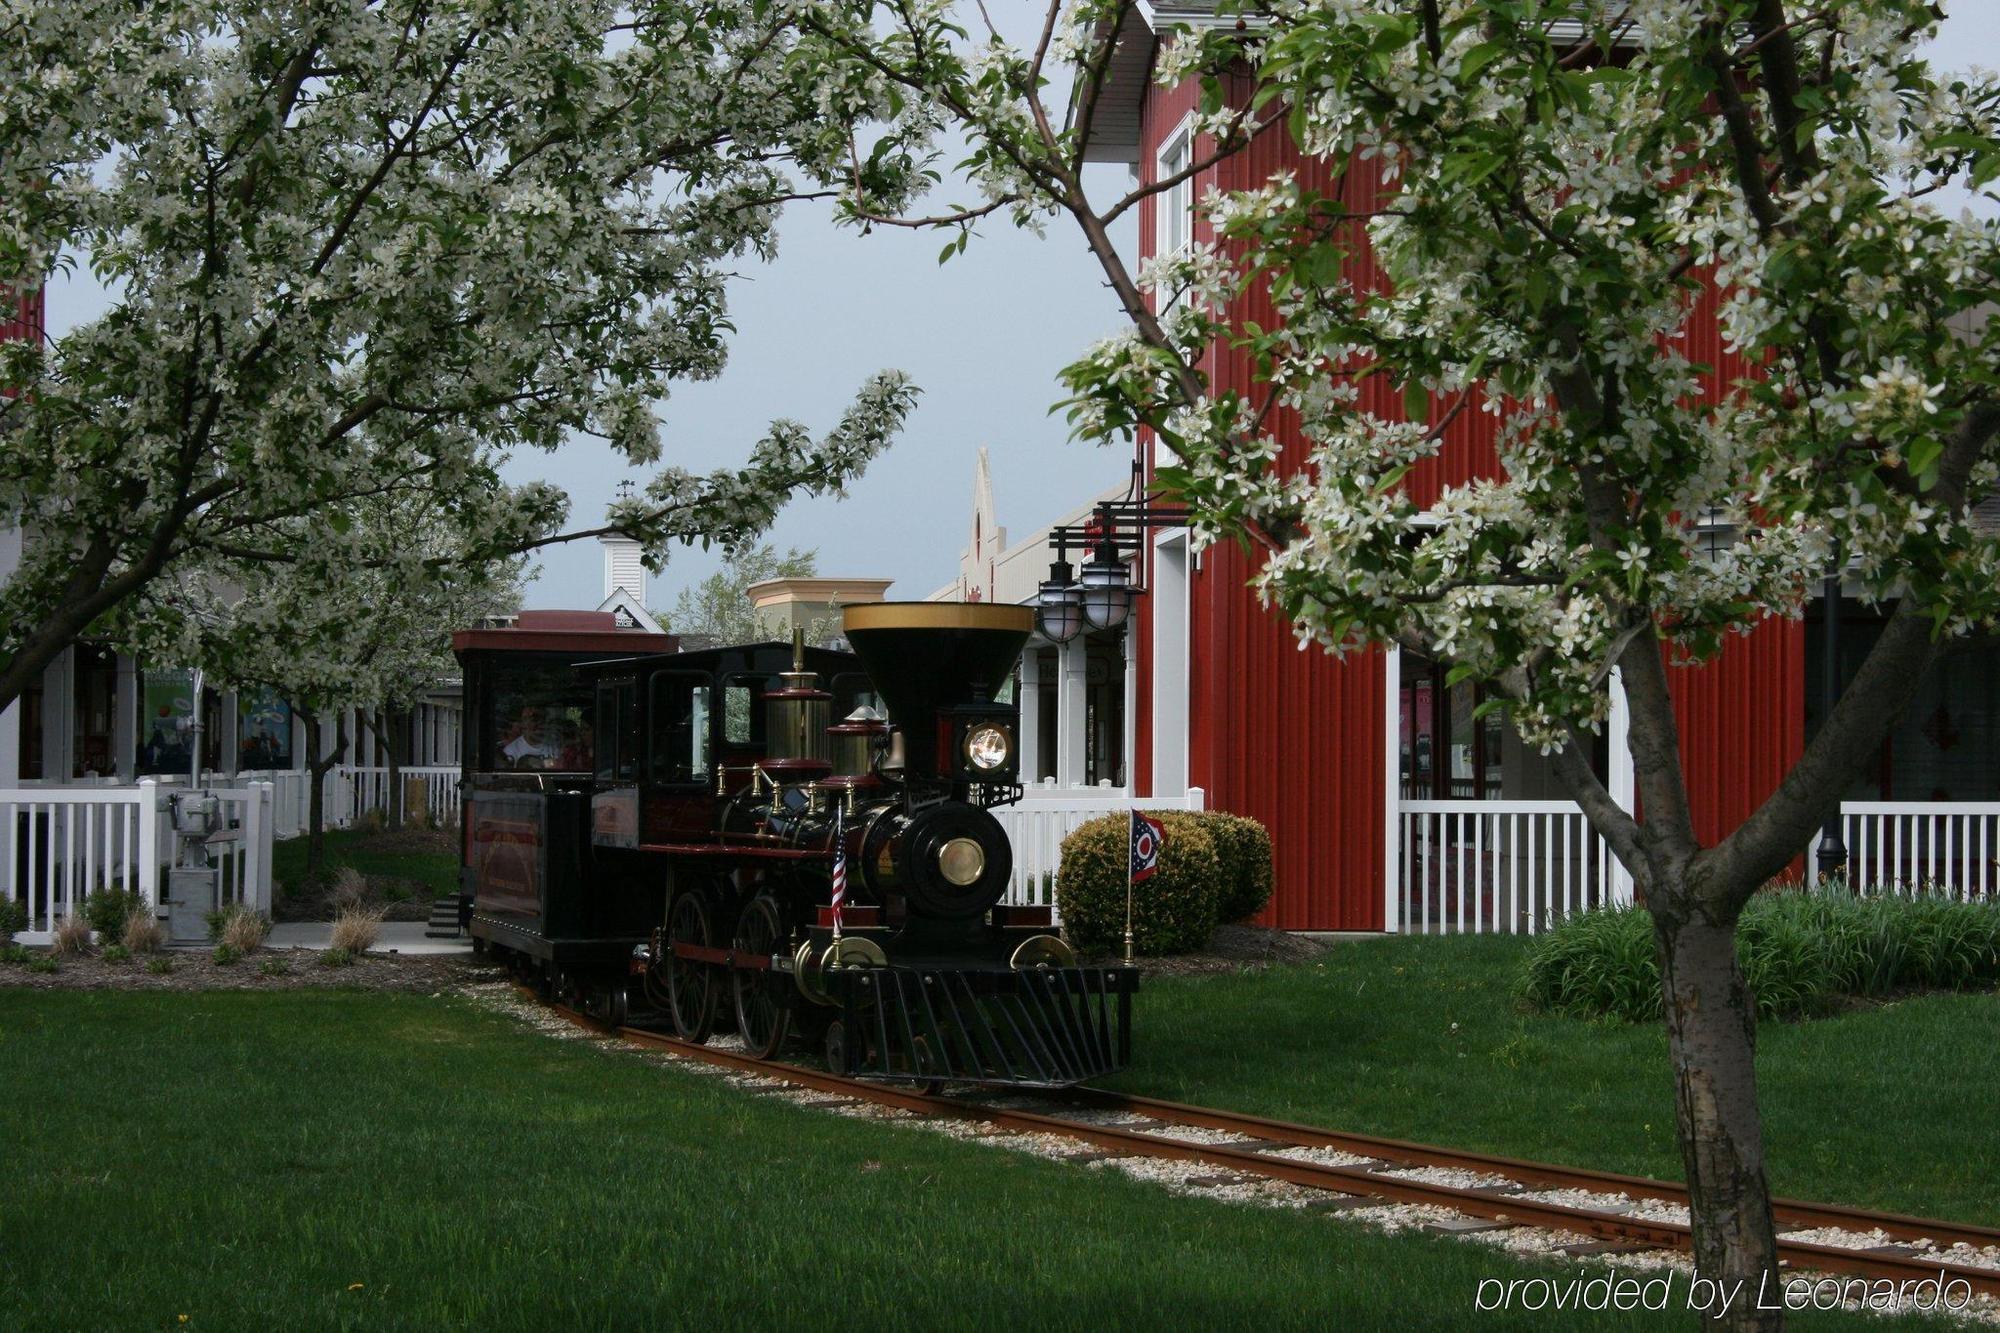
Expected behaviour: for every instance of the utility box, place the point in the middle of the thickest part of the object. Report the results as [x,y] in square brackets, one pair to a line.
[191,896]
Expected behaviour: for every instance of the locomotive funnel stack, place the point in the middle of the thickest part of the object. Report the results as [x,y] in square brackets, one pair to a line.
[687,839]
[937,665]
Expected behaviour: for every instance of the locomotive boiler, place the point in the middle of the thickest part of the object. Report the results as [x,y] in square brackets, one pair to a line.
[797,846]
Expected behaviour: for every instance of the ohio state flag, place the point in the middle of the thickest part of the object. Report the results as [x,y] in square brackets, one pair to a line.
[1148,835]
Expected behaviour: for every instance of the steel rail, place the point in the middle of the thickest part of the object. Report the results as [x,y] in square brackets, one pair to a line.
[1498,1204]
[1790,1214]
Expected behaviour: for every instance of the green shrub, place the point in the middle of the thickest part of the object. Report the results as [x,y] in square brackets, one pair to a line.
[1801,953]
[16,954]
[1596,963]
[273,967]
[1243,847]
[1173,912]
[225,954]
[116,953]
[160,966]
[45,963]
[106,910]
[12,918]
[335,957]
[216,922]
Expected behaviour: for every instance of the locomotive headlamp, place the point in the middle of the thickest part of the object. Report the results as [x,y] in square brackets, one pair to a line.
[988,747]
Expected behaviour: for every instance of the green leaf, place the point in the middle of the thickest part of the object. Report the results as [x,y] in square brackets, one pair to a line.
[1416,402]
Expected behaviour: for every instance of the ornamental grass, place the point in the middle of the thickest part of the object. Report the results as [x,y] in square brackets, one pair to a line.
[244,930]
[71,938]
[143,934]
[1802,953]
[356,929]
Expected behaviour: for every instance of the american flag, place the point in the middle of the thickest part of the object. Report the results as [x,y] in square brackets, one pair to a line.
[839,866]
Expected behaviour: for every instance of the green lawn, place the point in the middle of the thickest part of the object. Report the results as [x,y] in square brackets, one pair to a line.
[347,1159]
[1886,1106]
[435,870]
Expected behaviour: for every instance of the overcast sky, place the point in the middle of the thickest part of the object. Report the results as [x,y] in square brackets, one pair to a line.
[983,336]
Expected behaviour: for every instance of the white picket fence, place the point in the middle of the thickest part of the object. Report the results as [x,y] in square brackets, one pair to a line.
[1902,846]
[58,845]
[353,792]
[1507,867]
[1046,814]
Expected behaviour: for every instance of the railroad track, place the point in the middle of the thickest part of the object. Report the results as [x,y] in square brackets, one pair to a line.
[1361,1169]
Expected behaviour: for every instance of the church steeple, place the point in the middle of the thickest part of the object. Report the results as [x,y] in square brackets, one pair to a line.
[979,563]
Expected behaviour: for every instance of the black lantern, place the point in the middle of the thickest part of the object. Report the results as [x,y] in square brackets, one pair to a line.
[1102,598]
[1107,590]
[1059,605]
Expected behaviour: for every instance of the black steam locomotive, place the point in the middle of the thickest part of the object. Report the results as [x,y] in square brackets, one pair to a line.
[660,836]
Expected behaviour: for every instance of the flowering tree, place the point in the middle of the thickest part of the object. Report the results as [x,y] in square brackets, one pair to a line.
[327,637]
[1550,188]
[718,611]
[367,250]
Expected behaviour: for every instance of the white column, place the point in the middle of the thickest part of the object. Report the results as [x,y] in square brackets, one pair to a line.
[1128,728]
[1392,789]
[1072,711]
[1170,663]
[1620,780]
[1029,697]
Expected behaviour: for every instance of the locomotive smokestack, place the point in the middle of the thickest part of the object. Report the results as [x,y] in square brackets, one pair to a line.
[924,656]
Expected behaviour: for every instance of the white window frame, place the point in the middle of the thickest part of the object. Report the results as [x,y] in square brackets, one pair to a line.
[1173,208]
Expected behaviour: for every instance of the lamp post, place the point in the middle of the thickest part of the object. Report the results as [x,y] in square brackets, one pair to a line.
[1102,597]
[1832,858]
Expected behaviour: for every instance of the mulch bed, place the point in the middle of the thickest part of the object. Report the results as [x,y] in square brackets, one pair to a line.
[1236,949]
[1231,949]
[198,971]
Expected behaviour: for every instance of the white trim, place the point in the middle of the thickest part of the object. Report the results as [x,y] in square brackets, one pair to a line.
[1392,788]
[1621,780]
[1176,203]
[622,599]
[1171,585]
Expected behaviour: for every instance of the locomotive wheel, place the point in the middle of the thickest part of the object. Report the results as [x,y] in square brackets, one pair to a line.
[690,986]
[835,1046]
[763,999]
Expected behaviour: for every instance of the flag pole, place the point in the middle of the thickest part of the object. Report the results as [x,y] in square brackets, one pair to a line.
[1130,828]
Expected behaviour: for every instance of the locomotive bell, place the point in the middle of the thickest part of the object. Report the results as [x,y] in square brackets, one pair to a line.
[929,660]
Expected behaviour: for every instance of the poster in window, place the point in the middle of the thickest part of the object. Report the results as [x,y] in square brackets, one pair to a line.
[263,731]
[166,711]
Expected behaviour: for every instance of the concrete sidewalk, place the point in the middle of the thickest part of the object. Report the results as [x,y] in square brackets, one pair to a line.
[398,937]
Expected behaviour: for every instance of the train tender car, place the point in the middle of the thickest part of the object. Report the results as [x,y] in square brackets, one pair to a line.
[765,851]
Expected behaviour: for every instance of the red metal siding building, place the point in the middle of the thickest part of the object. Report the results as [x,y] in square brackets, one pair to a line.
[1301,740]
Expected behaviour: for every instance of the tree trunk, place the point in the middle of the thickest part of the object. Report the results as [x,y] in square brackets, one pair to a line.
[393,728]
[319,762]
[1712,1039]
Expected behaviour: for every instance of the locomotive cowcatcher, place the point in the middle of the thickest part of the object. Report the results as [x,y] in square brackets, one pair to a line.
[794,843]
